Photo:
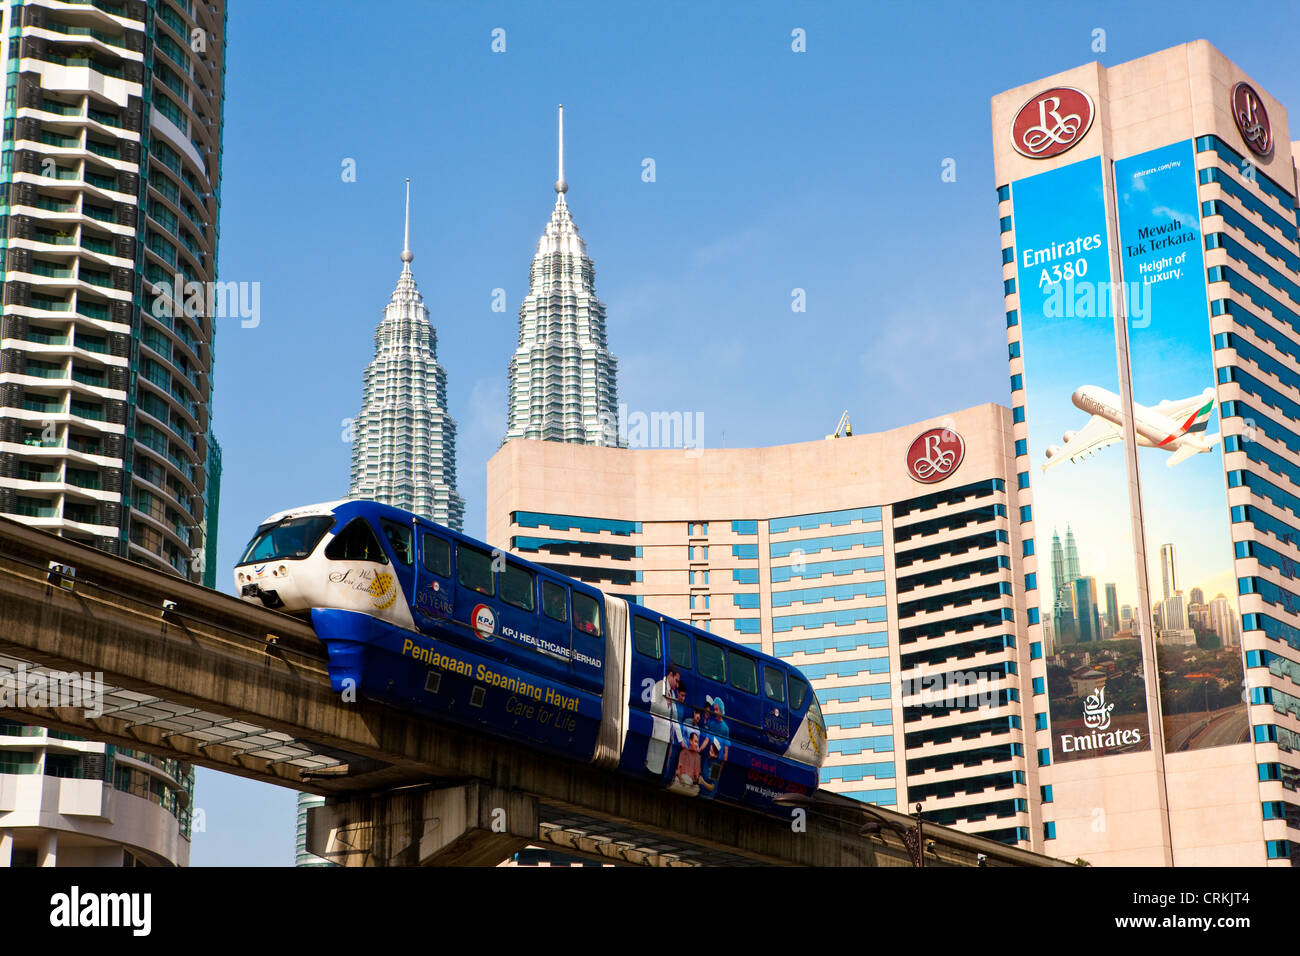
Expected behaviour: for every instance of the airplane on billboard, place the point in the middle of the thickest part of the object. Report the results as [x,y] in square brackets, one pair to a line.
[1176,426]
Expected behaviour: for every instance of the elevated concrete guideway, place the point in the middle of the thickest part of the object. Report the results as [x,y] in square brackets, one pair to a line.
[197,675]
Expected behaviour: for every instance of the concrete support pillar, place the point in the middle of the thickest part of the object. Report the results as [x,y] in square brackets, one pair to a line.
[472,824]
[47,848]
[6,848]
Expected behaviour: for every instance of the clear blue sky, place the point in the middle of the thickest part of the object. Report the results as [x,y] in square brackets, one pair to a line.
[775,170]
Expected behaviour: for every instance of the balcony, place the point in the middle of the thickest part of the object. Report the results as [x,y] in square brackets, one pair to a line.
[76,61]
[54,238]
[98,212]
[48,304]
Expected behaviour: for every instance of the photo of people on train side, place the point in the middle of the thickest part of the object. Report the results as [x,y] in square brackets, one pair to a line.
[699,744]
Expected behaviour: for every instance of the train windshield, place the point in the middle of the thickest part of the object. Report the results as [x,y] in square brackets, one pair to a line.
[288,539]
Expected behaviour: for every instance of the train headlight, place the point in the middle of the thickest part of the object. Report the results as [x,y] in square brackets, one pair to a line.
[283,570]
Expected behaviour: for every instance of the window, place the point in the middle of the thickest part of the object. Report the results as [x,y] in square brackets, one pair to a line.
[713,661]
[436,554]
[586,614]
[679,648]
[744,673]
[474,569]
[646,634]
[1040,721]
[287,540]
[554,602]
[1040,685]
[517,587]
[356,542]
[399,536]
[798,690]
[773,683]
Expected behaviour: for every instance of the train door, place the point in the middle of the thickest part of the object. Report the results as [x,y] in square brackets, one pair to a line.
[589,623]
[776,707]
[475,591]
[434,596]
[553,622]
[648,696]
[517,593]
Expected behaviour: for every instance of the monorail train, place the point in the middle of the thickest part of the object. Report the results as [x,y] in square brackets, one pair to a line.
[423,618]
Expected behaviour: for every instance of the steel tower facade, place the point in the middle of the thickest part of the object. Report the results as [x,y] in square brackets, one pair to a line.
[563,379]
[404,441]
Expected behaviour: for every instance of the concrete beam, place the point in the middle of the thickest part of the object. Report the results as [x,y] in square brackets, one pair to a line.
[473,824]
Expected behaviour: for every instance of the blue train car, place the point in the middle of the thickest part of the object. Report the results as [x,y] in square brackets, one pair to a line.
[423,618]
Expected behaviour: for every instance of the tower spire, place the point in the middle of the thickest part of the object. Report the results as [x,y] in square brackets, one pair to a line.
[406,236]
[561,186]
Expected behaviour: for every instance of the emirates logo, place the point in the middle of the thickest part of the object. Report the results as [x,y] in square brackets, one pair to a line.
[934,455]
[1052,122]
[1252,119]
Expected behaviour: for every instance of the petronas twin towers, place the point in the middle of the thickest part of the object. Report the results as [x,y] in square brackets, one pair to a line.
[563,380]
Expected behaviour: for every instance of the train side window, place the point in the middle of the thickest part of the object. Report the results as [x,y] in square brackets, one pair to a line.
[712,660]
[356,542]
[647,638]
[474,569]
[679,648]
[436,554]
[518,588]
[586,614]
[773,683]
[400,537]
[798,691]
[553,602]
[744,673]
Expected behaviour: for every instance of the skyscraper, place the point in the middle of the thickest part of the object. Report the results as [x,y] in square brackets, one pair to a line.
[563,379]
[1168,572]
[1112,610]
[110,180]
[1085,603]
[1072,571]
[404,441]
[111,191]
[1171,177]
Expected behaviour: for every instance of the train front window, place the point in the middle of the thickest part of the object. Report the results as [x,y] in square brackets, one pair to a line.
[474,569]
[356,542]
[287,540]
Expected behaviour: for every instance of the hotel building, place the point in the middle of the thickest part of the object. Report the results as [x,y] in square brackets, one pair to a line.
[1152,279]
[888,567]
[110,172]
